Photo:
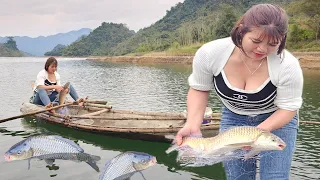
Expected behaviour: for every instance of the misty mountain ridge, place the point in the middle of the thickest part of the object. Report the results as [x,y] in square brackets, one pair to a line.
[39,45]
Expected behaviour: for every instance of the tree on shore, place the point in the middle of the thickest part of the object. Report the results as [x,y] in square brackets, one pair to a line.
[11,43]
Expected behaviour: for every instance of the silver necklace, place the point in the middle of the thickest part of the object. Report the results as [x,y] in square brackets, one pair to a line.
[249,68]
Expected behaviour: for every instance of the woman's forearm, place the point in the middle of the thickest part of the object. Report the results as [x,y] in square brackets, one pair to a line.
[197,102]
[277,120]
[46,87]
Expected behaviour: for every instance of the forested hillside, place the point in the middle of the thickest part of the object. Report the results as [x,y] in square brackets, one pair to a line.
[186,26]
[99,41]
[9,49]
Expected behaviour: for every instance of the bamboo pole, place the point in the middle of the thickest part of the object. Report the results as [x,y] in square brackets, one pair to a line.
[96,102]
[33,113]
[98,105]
[310,122]
[95,113]
[171,114]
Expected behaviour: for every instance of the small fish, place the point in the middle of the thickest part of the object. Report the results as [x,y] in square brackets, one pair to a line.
[126,164]
[49,148]
[63,94]
[226,145]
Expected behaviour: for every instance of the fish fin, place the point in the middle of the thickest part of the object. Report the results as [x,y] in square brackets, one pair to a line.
[169,137]
[141,175]
[49,161]
[29,164]
[240,145]
[172,148]
[70,142]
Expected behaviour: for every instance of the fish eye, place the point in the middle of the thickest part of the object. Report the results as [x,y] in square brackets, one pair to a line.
[19,152]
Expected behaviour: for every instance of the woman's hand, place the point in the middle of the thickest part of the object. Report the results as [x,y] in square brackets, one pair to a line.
[187,130]
[58,88]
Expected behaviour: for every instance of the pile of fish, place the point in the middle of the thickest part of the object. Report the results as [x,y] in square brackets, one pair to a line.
[241,142]
[49,148]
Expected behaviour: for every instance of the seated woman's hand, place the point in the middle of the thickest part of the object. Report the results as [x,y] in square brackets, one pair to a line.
[58,88]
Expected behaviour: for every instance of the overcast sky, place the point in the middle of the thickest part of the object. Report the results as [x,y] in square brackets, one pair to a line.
[41,17]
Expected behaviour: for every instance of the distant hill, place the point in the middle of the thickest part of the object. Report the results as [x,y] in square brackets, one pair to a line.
[57,50]
[99,41]
[7,52]
[40,45]
[9,49]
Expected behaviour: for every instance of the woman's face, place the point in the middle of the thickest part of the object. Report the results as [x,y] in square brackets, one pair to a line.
[257,46]
[52,68]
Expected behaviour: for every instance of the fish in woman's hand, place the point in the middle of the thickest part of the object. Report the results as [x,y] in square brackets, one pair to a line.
[126,164]
[63,94]
[49,148]
[229,144]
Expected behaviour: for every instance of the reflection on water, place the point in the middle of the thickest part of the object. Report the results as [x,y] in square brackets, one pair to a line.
[127,86]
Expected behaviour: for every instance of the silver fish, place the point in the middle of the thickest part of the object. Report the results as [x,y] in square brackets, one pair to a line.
[226,145]
[126,164]
[49,148]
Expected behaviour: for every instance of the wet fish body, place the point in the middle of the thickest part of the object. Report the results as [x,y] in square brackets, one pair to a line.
[126,164]
[227,145]
[63,94]
[49,148]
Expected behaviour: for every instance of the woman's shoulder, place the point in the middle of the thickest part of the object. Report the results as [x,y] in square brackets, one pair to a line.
[43,72]
[57,75]
[284,66]
[214,54]
[284,60]
[218,44]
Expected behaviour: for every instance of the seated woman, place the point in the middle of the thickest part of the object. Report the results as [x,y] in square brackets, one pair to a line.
[48,86]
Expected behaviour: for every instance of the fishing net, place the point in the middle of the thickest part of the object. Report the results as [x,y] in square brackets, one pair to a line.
[195,159]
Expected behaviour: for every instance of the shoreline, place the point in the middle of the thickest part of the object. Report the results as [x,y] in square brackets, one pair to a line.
[308,60]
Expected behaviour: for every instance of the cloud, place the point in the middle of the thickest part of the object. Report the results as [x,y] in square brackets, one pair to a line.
[37,17]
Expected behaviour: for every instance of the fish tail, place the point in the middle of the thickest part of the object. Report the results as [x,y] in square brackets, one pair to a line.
[95,158]
[93,164]
[172,148]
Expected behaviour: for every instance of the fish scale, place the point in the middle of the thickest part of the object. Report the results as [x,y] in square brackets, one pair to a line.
[46,145]
[242,134]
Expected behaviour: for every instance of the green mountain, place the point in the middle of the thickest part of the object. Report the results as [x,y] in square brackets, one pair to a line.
[193,21]
[99,41]
[9,49]
[57,50]
[186,26]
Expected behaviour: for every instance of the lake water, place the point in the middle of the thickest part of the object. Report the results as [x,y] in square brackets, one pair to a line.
[128,86]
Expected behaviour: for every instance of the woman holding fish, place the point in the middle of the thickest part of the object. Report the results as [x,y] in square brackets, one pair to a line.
[258,82]
[48,86]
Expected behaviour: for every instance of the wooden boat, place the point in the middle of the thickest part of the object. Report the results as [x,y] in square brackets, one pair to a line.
[98,117]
